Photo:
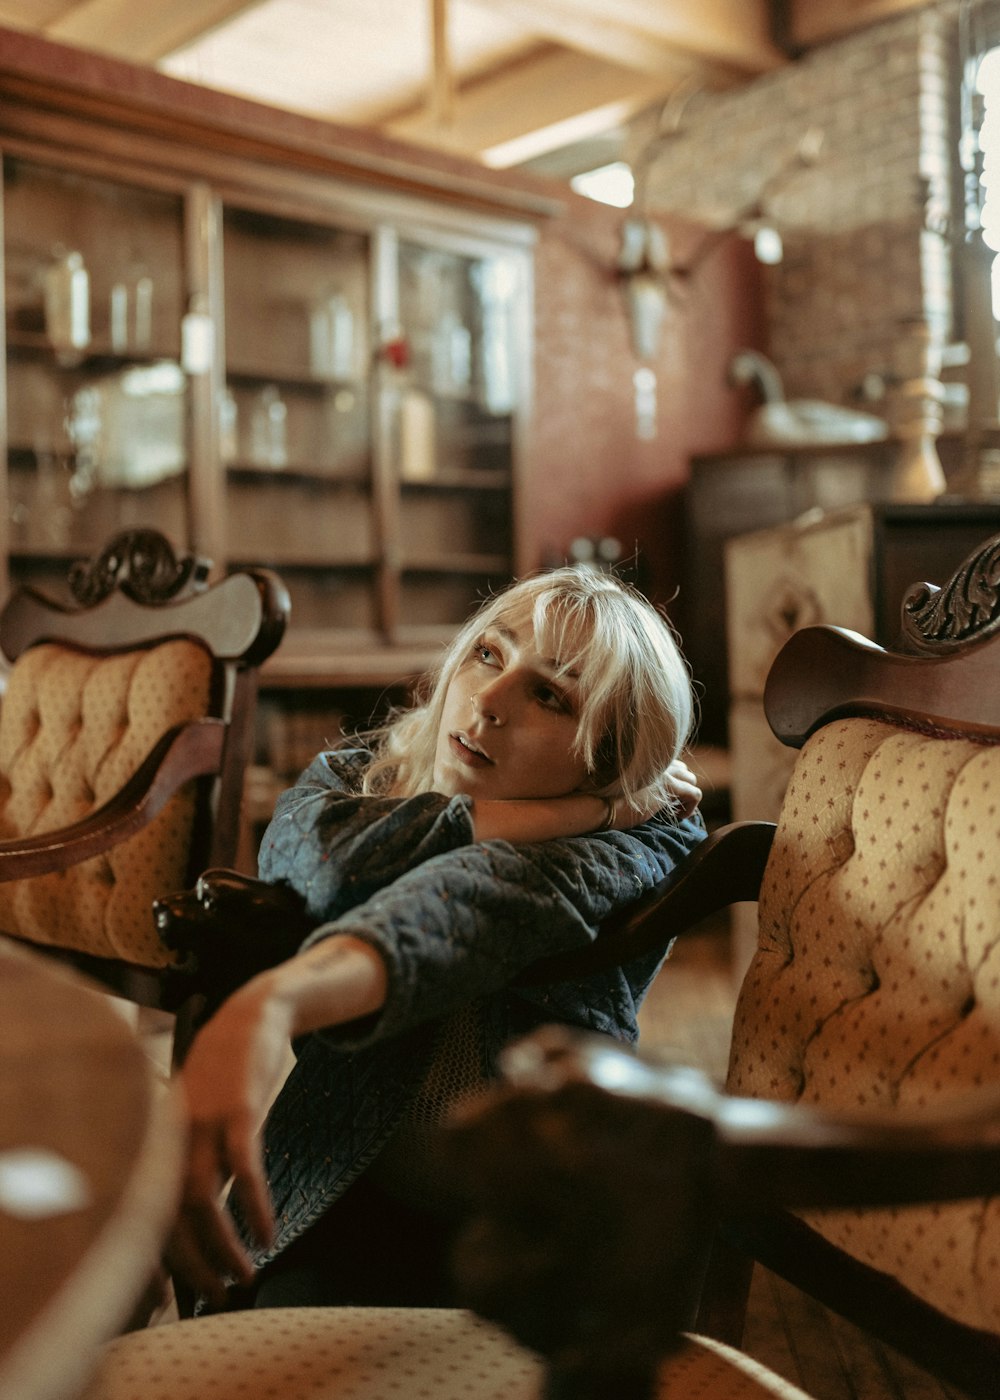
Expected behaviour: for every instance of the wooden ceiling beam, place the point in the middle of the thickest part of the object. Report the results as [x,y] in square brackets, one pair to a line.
[141,33]
[545,90]
[641,33]
[815,21]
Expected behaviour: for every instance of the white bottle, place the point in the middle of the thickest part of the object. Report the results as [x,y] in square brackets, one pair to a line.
[67,302]
[268,429]
[331,338]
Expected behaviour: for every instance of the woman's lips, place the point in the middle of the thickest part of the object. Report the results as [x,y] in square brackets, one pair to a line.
[462,750]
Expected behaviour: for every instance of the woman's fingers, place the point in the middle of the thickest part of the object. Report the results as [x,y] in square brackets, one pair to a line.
[684,786]
[249,1182]
[186,1259]
[205,1247]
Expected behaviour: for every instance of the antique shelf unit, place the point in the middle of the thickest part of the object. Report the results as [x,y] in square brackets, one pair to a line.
[275,342]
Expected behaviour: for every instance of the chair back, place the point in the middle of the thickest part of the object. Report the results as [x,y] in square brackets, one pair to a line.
[124,734]
[876,980]
[869,1018]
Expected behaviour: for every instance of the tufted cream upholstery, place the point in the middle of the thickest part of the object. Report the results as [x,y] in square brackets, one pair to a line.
[877,978]
[73,729]
[377,1354]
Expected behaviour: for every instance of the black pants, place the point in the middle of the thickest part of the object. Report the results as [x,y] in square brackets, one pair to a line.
[368,1250]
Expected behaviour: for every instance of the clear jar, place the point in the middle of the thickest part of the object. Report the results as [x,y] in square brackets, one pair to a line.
[67,301]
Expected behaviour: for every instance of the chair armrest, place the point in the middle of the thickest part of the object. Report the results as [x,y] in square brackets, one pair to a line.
[593,1181]
[184,752]
[726,868]
[231,927]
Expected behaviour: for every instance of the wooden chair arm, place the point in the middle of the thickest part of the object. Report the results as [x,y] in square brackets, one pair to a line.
[769,1154]
[593,1182]
[726,868]
[184,752]
[231,927]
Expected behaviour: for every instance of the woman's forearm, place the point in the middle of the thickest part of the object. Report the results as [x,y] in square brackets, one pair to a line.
[538,818]
[337,980]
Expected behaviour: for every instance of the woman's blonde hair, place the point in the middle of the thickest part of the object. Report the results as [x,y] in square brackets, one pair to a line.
[635,700]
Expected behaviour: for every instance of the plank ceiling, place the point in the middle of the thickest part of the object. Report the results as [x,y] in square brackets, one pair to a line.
[503,81]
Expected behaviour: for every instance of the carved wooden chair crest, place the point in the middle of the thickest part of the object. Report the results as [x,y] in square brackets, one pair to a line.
[124,734]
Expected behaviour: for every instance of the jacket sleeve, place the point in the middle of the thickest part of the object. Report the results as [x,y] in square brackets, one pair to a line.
[336,847]
[468,920]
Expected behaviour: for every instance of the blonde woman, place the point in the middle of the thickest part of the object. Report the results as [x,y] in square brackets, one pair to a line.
[536,789]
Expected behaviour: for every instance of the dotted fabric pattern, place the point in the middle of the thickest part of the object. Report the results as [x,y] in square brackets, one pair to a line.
[876,982]
[377,1354]
[73,729]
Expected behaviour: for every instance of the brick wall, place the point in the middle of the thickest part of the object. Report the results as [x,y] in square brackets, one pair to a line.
[859,262]
[587,470]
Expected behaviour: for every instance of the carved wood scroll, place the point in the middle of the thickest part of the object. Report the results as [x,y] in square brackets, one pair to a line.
[967,608]
[142,564]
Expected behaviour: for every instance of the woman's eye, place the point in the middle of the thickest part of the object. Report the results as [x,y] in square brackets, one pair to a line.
[485,653]
[552,698]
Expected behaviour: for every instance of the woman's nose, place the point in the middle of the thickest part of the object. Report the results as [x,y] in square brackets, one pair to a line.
[490,702]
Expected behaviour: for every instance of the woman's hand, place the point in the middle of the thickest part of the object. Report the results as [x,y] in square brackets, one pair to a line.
[683,784]
[685,795]
[236,1064]
[231,1074]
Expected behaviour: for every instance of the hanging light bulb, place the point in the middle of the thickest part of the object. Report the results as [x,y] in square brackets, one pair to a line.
[767,245]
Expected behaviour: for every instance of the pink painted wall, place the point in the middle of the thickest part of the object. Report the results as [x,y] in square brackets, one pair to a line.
[588,472]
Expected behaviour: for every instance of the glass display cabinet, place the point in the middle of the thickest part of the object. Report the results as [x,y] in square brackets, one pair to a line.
[97,402]
[455,428]
[367,421]
[273,368]
[318,391]
[296,415]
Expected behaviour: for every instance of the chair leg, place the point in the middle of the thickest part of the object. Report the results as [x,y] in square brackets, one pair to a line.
[723,1306]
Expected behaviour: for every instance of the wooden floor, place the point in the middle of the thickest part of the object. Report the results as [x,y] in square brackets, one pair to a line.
[687,1015]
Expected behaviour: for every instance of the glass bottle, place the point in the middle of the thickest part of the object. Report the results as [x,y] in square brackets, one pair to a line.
[269,429]
[67,301]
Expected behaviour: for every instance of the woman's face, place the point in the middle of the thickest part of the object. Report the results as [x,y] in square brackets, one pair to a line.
[508,724]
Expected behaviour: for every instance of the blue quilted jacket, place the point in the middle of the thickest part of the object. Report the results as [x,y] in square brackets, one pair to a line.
[455,920]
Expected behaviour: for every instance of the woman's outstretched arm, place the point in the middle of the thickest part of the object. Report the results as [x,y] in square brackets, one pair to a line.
[234,1067]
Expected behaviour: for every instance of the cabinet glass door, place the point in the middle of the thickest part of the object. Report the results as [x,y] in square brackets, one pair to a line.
[96,398]
[455,429]
[296,436]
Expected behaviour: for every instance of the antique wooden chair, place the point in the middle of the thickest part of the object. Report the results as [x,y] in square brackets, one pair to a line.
[864,1069]
[124,734]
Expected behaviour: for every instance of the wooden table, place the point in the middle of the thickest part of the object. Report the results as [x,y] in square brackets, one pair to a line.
[85,1131]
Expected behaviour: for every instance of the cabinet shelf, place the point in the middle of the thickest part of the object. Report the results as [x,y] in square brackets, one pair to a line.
[42,552]
[94,358]
[457,564]
[454,479]
[361,658]
[304,383]
[247,473]
[312,563]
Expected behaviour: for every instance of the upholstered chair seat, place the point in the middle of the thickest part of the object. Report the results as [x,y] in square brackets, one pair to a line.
[378,1354]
